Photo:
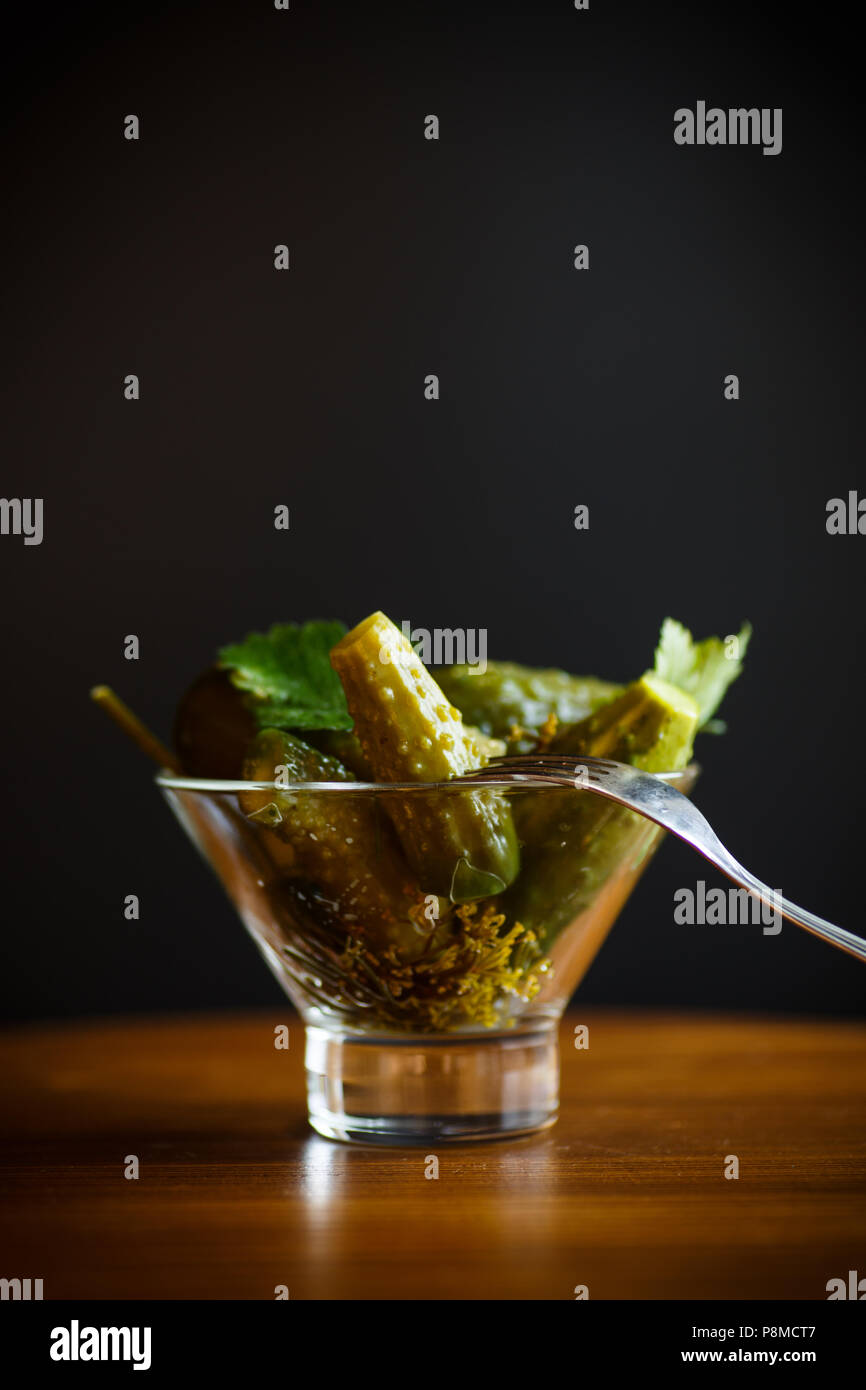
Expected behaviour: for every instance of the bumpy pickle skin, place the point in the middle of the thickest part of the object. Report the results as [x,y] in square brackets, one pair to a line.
[508,697]
[339,844]
[346,747]
[652,726]
[464,845]
[343,746]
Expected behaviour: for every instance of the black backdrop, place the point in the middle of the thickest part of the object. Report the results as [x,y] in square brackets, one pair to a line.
[306,388]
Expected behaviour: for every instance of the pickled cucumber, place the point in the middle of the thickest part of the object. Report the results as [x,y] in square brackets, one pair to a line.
[579,844]
[461,845]
[345,747]
[342,845]
[651,725]
[507,696]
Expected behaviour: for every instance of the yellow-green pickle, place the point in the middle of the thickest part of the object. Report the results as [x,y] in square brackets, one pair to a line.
[514,703]
[464,845]
[652,725]
[339,844]
[424,909]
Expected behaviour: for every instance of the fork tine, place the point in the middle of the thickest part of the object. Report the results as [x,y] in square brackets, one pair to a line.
[556,771]
[550,763]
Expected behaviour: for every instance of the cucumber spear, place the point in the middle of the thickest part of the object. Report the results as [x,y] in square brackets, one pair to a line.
[461,846]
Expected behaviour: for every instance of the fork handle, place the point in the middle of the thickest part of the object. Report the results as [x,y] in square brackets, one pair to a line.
[710,846]
[809,921]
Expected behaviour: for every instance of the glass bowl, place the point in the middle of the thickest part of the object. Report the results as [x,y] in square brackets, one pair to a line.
[426,1020]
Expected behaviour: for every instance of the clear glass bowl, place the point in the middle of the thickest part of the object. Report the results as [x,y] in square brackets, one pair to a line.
[426,1021]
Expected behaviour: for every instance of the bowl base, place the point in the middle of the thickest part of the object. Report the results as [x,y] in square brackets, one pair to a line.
[411,1090]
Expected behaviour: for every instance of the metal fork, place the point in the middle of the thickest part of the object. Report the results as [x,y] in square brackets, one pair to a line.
[652,797]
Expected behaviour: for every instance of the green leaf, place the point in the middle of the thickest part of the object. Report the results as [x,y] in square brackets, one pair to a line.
[288,676]
[703,669]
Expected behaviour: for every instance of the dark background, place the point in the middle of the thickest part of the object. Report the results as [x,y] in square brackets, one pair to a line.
[306,388]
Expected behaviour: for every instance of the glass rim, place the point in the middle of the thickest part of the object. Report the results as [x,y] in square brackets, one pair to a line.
[176,781]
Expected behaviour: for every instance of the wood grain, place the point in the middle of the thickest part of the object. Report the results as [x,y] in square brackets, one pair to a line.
[626,1194]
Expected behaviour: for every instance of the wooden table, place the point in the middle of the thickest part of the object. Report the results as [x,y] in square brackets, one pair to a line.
[627,1194]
